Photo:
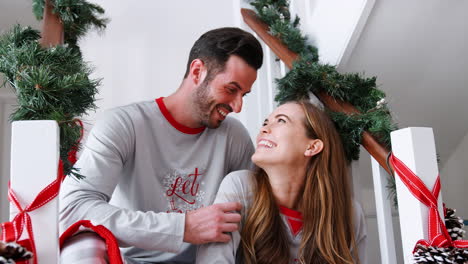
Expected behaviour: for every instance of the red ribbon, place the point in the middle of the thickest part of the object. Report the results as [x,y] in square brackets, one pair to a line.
[16,227]
[113,250]
[438,235]
[12,231]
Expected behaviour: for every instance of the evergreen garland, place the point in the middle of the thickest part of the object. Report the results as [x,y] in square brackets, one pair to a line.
[53,83]
[78,17]
[308,75]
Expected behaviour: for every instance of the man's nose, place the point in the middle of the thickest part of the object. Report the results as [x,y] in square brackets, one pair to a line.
[236,104]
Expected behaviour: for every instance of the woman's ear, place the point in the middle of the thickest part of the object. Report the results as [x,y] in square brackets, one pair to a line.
[313,148]
[197,71]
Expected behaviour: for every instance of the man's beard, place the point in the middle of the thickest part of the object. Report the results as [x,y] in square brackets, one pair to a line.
[204,105]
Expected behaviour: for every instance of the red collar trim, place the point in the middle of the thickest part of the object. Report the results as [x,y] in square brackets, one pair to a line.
[173,122]
[290,212]
[294,219]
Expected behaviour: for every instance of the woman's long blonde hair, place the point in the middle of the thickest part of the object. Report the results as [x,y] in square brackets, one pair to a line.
[326,206]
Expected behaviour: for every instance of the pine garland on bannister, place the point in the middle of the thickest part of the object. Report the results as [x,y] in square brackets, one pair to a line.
[308,75]
[78,17]
[276,14]
[53,83]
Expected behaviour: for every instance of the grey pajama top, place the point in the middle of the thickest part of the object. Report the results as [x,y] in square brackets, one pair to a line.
[144,171]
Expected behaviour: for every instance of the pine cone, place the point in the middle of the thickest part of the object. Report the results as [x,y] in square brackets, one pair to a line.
[454,224]
[9,252]
[6,261]
[461,256]
[432,255]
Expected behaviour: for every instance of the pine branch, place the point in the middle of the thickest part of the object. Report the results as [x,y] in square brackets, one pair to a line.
[78,17]
[50,84]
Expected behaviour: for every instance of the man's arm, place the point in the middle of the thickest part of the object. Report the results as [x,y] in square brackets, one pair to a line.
[210,224]
[232,190]
[109,145]
[360,232]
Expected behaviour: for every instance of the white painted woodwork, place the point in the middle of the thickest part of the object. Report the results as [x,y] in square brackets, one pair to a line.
[34,163]
[384,214]
[415,147]
[7,100]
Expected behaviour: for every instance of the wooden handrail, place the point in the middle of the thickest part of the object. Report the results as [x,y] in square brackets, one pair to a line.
[372,146]
[52,27]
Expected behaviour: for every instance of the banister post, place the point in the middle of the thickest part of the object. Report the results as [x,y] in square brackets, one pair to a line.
[415,147]
[384,214]
[34,163]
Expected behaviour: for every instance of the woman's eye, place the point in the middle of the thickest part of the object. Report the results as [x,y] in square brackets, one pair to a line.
[264,123]
[281,120]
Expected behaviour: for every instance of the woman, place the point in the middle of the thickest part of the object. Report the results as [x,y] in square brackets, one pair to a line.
[297,206]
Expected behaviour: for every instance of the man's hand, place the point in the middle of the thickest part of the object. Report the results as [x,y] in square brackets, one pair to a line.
[209,224]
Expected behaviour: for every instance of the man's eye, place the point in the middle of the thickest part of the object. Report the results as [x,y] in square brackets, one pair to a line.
[231,90]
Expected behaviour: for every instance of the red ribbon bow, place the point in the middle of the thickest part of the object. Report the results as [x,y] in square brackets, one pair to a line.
[438,235]
[12,231]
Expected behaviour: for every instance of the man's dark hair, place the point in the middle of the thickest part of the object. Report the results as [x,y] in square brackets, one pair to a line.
[215,46]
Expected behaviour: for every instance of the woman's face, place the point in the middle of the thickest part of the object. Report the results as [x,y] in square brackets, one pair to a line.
[282,138]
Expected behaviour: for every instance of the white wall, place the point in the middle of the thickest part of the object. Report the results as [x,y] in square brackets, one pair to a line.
[454,179]
[144,50]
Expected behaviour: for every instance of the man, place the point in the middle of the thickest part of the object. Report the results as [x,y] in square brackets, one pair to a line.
[153,168]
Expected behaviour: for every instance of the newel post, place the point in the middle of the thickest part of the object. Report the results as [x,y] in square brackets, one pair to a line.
[415,147]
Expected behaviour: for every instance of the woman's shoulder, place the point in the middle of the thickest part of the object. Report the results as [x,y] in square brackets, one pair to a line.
[236,186]
[239,176]
[359,221]
[240,180]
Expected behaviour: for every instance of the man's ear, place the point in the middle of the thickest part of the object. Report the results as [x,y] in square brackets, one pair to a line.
[313,148]
[197,71]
